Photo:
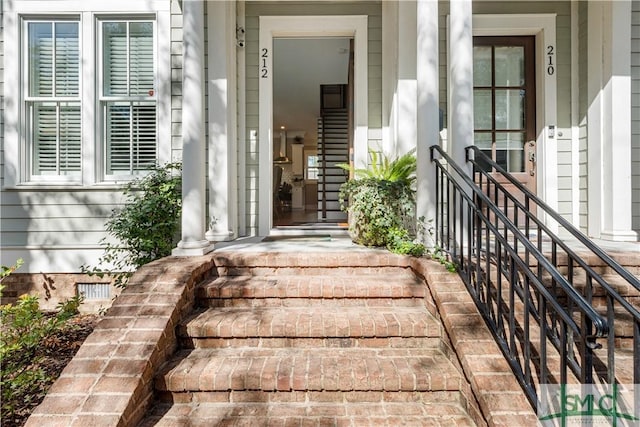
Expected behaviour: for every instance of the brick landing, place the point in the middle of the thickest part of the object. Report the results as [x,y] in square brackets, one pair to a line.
[229,369]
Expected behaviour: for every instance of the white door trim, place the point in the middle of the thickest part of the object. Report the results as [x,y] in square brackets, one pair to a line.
[543,27]
[354,26]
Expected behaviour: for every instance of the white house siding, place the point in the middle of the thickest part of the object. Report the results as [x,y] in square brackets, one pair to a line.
[583,207]
[635,113]
[256,9]
[176,80]
[2,100]
[58,229]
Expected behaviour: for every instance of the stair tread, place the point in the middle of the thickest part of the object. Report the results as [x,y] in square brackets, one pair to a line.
[287,369]
[313,286]
[311,322]
[305,413]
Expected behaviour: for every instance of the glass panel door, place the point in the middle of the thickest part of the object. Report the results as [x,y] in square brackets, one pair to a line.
[504,103]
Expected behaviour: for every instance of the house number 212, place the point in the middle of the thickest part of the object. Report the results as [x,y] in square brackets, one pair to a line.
[550,64]
[264,55]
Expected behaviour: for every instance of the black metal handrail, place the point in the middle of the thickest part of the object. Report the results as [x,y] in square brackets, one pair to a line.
[514,300]
[574,260]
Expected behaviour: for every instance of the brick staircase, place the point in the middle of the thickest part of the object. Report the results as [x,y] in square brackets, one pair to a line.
[312,345]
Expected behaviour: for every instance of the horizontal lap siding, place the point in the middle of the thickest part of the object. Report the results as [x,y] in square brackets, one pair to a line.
[256,9]
[635,113]
[2,101]
[583,208]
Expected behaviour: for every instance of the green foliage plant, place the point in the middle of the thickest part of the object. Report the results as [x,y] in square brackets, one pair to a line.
[146,228]
[381,203]
[24,330]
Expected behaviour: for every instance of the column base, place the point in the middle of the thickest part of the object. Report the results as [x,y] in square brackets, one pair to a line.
[219,236]
[197,248]
[619,236]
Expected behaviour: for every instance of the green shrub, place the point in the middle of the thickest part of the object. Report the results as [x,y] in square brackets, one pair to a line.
[146,228]
[25,331]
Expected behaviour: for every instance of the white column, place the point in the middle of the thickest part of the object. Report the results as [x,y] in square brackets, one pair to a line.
[460,129]
[428,125]
[406,111]
[222,117]
[193,241]
[609,129]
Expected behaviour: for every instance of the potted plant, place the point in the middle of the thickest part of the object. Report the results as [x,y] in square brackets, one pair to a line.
[381,203]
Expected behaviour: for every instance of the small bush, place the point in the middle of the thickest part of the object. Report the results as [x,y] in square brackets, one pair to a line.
[146,228]
[26,332]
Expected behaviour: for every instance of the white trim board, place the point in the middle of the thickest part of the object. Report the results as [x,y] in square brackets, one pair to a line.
[271,27]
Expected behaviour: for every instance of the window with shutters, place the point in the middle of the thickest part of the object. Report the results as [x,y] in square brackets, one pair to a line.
[128,97]
[52,99]
[84,105]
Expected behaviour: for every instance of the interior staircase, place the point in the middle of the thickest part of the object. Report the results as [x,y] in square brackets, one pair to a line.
[312,346]
[333,149]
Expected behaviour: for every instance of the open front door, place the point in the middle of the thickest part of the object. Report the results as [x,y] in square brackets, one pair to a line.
[504,104]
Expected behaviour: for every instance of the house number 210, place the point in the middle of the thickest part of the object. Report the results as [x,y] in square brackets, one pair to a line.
[264,55]
[550,64]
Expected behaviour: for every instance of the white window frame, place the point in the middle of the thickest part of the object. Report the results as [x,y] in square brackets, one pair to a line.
[104,99]
[28,100]
[16,157]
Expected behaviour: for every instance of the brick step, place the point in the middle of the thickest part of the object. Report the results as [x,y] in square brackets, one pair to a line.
[311,322]
[317,369]
[432,412]
[629,260]
[400,285]
[579,282]
[318,264]
[310,302]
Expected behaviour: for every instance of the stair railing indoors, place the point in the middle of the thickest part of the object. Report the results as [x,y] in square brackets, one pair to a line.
[523,279]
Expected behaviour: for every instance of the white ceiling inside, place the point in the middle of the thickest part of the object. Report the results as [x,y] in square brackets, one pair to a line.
[300,67]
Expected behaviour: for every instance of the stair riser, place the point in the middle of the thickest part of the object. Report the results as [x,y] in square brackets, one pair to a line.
[310,302]
[355,271]
[442,398]
[383,342]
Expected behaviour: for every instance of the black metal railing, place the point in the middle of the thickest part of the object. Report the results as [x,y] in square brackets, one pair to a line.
[548,329]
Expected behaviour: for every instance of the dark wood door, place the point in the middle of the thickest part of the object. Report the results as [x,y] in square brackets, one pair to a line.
[504,104]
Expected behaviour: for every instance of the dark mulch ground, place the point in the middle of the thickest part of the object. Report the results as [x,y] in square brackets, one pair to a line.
[57,351]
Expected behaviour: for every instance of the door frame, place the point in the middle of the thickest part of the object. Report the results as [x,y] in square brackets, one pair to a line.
[543,27]
[352,26]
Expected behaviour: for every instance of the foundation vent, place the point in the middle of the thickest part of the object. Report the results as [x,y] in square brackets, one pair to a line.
[94,291]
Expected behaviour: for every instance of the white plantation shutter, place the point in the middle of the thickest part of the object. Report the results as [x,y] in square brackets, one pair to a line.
[128,97]
[142,76]
[52,100]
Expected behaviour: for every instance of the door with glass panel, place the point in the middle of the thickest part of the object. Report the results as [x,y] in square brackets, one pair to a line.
[504,104]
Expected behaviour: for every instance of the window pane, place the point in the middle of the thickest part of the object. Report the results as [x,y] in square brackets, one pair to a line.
[509,66]
[483,140]
[70,151]
[56,138]
[141,58]
[510,149]
[45,129]
[509,109]
[115,58]
[40,56]
[131,137]
[482,109]
[67,59]
[482,66]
